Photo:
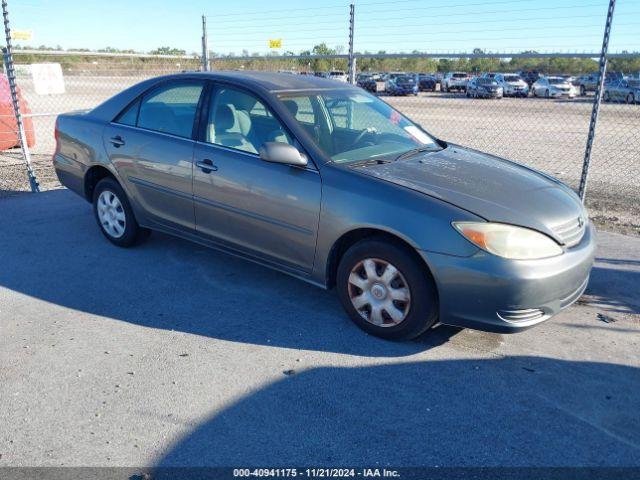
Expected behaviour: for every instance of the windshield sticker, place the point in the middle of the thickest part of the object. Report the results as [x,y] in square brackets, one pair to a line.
[418,134]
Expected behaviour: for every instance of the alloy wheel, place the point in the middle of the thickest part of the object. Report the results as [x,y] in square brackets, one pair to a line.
[111,214]
[379,292]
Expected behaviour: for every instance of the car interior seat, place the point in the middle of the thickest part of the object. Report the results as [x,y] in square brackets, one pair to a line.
[222,131]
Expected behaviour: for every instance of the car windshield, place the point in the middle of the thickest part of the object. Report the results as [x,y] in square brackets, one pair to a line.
[512,78]
[556,80]
[487,81]
[405,79]
[351,126]
[459,75]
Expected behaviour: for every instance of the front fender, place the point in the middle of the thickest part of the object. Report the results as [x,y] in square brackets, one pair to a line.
[352,201]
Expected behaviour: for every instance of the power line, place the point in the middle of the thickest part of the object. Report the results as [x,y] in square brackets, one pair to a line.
[362,15]
[403,25]
[378,33]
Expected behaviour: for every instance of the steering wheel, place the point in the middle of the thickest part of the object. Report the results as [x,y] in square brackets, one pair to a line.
[363,134]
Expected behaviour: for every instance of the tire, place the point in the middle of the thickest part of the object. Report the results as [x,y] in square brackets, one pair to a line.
[443,88]
[546,93]
[418,313]
[631,99]
[119,226]
[606,97]
[583,91]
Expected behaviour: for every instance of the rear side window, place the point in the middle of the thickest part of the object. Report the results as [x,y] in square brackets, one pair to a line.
[169,109]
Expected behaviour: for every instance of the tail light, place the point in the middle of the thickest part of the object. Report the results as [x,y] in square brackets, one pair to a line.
[56,134]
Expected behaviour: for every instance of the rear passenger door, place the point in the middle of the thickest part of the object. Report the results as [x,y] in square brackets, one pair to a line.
[265,210]
[151,144]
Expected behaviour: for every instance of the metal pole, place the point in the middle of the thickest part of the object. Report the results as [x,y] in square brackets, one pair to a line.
[11,77]
[205,45]
[352,60]
[597,101]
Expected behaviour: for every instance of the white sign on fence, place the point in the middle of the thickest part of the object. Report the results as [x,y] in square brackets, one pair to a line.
[47,78]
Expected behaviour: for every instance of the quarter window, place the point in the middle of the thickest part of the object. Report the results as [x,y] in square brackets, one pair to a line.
[130,115]
[171,109]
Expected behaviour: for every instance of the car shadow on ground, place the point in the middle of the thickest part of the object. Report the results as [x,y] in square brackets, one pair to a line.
[614,286]
[52,250]
[516,411]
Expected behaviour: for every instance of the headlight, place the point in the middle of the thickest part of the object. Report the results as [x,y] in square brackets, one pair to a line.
[508,241]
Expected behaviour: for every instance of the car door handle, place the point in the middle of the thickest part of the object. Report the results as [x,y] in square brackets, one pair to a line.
[117,141]
[207,166]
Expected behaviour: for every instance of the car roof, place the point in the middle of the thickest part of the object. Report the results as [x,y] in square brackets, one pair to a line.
[270,81]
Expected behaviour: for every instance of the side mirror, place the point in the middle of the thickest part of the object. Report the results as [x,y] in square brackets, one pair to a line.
[279,152]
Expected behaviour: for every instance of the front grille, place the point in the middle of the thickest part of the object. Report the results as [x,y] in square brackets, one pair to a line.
[570,233]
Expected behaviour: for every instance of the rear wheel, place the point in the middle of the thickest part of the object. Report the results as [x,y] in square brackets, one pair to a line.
[386,290]
[114,214]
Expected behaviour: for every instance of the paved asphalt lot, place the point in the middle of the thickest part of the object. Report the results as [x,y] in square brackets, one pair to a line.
[172,354]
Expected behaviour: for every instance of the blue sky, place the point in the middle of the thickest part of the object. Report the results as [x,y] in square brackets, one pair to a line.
[390,25]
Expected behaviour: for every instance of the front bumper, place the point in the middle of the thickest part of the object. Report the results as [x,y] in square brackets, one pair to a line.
[486,292]
[490,93]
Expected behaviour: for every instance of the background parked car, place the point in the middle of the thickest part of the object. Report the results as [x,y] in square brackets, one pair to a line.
[455,81]
[9,136]
[553,87]
[338,75]
[587,83]
[512,85]
[481,87]
[406,84]
[426,83]
[627,91]
[367,82]
[530,76]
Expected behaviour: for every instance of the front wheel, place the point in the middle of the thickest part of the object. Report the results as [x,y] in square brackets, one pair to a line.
[115,216]
[631,99]
[387,290]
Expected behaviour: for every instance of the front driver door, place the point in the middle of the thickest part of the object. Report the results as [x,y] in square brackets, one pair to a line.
[266,210]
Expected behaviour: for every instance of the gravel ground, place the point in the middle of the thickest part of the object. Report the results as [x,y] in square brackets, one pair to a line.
[171,354]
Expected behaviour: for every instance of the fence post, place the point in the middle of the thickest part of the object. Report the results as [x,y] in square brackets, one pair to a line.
[596,102]
[352,60]
[11,77]
[205,45]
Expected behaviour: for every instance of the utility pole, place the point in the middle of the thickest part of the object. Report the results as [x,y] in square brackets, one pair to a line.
[11,77]
[205,45]
[352,59]
[597,101]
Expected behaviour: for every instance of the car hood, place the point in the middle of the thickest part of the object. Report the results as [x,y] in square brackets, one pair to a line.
[495,189]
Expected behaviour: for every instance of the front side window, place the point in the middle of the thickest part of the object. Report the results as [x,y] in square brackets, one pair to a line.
[171,109]
[350,126]
[239,120]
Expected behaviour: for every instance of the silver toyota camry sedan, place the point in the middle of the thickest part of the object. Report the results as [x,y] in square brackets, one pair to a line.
[328,183]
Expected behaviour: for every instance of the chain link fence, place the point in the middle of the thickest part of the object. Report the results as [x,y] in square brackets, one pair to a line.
[547,128]
[88,80]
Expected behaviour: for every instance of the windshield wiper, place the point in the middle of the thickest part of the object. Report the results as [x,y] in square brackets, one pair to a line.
[415,151]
